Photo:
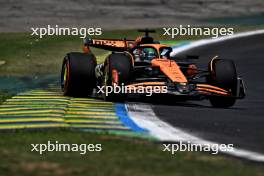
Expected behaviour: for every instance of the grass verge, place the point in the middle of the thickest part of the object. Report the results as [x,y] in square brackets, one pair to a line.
[4,95]
[122,157]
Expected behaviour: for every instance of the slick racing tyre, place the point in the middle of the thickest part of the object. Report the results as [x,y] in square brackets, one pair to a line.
[223,74]
[117,73]
[78,74]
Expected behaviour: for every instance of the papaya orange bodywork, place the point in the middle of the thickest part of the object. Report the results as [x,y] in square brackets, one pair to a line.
[170,69]
[211,87]
[148,84]
[212,91]
[151,64]
[114,77]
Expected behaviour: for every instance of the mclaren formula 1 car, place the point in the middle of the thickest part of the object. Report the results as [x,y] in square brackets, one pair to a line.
[145,63]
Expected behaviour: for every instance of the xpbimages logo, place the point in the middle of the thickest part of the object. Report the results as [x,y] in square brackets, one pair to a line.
[59,147]
[192,147]
[147,90]
[189,30]
[56,30]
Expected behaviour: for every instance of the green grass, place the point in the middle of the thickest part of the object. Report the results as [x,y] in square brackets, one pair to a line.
[25,55]
[4,95]
[124,157]
[28,55]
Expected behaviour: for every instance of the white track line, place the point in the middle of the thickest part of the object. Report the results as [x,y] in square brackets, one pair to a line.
[216,40]
[144,116]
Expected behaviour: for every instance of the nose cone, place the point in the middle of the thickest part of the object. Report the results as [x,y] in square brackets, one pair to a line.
[170,69]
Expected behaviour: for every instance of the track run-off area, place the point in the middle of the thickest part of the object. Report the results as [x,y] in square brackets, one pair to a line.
[48,108]
[196,123]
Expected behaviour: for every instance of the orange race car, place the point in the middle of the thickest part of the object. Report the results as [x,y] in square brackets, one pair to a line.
[144,66]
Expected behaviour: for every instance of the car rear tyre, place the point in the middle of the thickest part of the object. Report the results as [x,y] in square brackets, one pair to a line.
[117,72]
[78,74]
[223,74]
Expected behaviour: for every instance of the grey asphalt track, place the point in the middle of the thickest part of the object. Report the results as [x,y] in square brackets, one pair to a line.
[241,125]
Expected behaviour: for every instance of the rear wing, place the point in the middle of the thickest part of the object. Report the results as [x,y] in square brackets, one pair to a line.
[110,44]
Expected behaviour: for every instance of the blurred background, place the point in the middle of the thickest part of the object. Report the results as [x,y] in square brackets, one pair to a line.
[20,15]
